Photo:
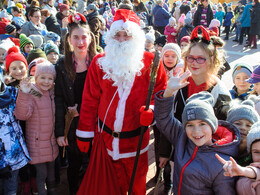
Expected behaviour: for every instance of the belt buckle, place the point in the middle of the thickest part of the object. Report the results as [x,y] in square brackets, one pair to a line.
[115,134]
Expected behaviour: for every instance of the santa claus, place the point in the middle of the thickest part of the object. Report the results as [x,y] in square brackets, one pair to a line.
[115,89]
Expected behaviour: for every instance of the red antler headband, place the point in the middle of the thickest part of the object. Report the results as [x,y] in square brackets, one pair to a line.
[195,36]
[77,18]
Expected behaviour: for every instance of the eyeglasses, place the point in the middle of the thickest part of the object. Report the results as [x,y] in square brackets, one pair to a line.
[199,60]
[37,16]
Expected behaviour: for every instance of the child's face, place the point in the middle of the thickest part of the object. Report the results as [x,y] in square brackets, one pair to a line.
[2,55]
[148,44]
[257,88]
[244,127]
[103,26]
[52,57]
[32,71]
[170,59]
[199,132]
[183,45]
[45,81]
[255,150]
[158,48]
[28,48]
[17,70]
[241,84]
[172,23]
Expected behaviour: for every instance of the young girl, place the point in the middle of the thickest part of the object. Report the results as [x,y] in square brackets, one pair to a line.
[227,22]
[185,41]
[248,182]
[80,48]
[39,113]
[241,89]
[171,31]
[149,41]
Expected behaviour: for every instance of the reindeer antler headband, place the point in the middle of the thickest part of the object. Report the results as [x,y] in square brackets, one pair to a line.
[77,18]
[195,36]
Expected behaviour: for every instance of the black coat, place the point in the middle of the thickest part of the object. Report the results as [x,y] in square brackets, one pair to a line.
[197,15]
[52,25]
[255,20]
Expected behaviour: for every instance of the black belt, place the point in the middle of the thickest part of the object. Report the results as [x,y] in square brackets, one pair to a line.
[121,135]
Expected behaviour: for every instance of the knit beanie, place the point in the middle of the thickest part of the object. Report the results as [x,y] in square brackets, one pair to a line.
[24,40]
[50,36]
[10,28]
[255,76]
[185,39]
[199,107]
[172,47]
[245,110]
[45,67]
[150,36]
[92,7]
[188,21]
[172,19]
[13,54]
[242,67]
[6,44]
[181,19]
[51,47]
[253,135]
[37,40]
[63,7]
[35,53]
[214,23]
[161,40]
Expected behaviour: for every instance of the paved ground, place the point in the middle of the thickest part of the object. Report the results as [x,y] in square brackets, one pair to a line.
[235,54]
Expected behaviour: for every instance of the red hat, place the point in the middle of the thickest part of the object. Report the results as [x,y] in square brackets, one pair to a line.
[185,39]
[63,7]
[13,54]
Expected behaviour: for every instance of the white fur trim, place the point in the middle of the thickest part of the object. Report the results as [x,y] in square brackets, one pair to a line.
[219,88]
[84,134]
[119,25]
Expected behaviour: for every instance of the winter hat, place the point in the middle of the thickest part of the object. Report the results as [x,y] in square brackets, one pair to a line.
[255,76]
[181,19]
[24,40]
[172,47]
[45,67]
[37,40]
[172,19]
[92,7]
[51,47]
[35,53]
[185,39]
[242,67]
[10,28]
[13,54]
[245,110]
[253,135]
[160,40]
[188,21]
[50,36]
[189,15]
[214,23]
[199,107]
[150,36]
[34,63]
[6,44]
[63,7]
[16,26]
[10,4]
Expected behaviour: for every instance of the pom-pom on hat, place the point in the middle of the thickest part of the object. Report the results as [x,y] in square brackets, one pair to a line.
[242,67]
[37,40]
[13,54]
[253,135]
[255,76]
[10,28]
[199,107]
[51,47]
[244,110]
[185,39]
[172,47]
[24,40]
[45,67]
[35,53]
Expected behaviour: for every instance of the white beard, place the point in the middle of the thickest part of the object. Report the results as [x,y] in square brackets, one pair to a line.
[122,61]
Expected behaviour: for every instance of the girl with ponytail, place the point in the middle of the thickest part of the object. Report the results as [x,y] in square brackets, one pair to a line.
[79,50]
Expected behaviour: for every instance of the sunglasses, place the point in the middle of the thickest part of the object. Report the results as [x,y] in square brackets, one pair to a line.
[199,60]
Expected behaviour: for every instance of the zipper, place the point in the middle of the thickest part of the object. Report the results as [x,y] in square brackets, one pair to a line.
[184,167]
[52,125]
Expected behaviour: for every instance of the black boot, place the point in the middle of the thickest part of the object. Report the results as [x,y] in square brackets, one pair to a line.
[51,188]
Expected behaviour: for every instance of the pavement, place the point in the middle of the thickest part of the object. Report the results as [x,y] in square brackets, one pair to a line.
[234,54]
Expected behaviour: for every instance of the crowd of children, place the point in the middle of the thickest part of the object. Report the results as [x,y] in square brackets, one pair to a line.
[209,133]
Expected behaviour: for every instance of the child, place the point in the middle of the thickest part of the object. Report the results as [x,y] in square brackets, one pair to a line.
[171,31]
[16,67]
[219,15]
[238,24]
[52,52]
[241,89]
[159,42]
[227,22]
[4,46]
[243,116]
[26,44]
[39,114]
[185,41]
[248,182]
[214,27]
[186,30]
[13,151]
[149,41]
[195,169]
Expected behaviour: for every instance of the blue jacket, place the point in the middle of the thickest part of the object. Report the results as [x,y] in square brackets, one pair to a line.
[227,20]
[161,16]
[243,96]
[201,172]
[246,17]
[219,16]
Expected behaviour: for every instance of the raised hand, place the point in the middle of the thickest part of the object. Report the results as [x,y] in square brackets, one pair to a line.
[176,83]
[25,85]
[8,79]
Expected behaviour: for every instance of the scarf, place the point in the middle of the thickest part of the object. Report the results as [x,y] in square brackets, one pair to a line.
[193,88]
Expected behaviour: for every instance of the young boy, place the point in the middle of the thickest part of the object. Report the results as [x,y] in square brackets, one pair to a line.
[159,42]
[241,89]
[26,44]
[52,52]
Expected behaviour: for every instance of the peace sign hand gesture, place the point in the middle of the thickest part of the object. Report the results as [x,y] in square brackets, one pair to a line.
[176,83]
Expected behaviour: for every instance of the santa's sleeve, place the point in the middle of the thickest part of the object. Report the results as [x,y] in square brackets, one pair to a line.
[90,101]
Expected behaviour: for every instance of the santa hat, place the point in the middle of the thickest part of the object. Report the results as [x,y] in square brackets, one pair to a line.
[214,23]
[125,20]
[13,54]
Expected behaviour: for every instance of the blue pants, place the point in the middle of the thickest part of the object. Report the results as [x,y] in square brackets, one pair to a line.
[9,186]
[238,31]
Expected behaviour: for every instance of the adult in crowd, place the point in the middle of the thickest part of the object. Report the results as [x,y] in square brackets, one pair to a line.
[245,22]
[34,25]
[63,13]
[160,16]
[117,84]
[80,48]
[50,21]
[139,7]
[50,6]
[203,15]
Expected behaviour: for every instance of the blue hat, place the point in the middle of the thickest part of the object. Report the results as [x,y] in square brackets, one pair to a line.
[255,76]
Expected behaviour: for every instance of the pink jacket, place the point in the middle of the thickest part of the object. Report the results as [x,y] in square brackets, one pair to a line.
[39,114]
[168,30]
